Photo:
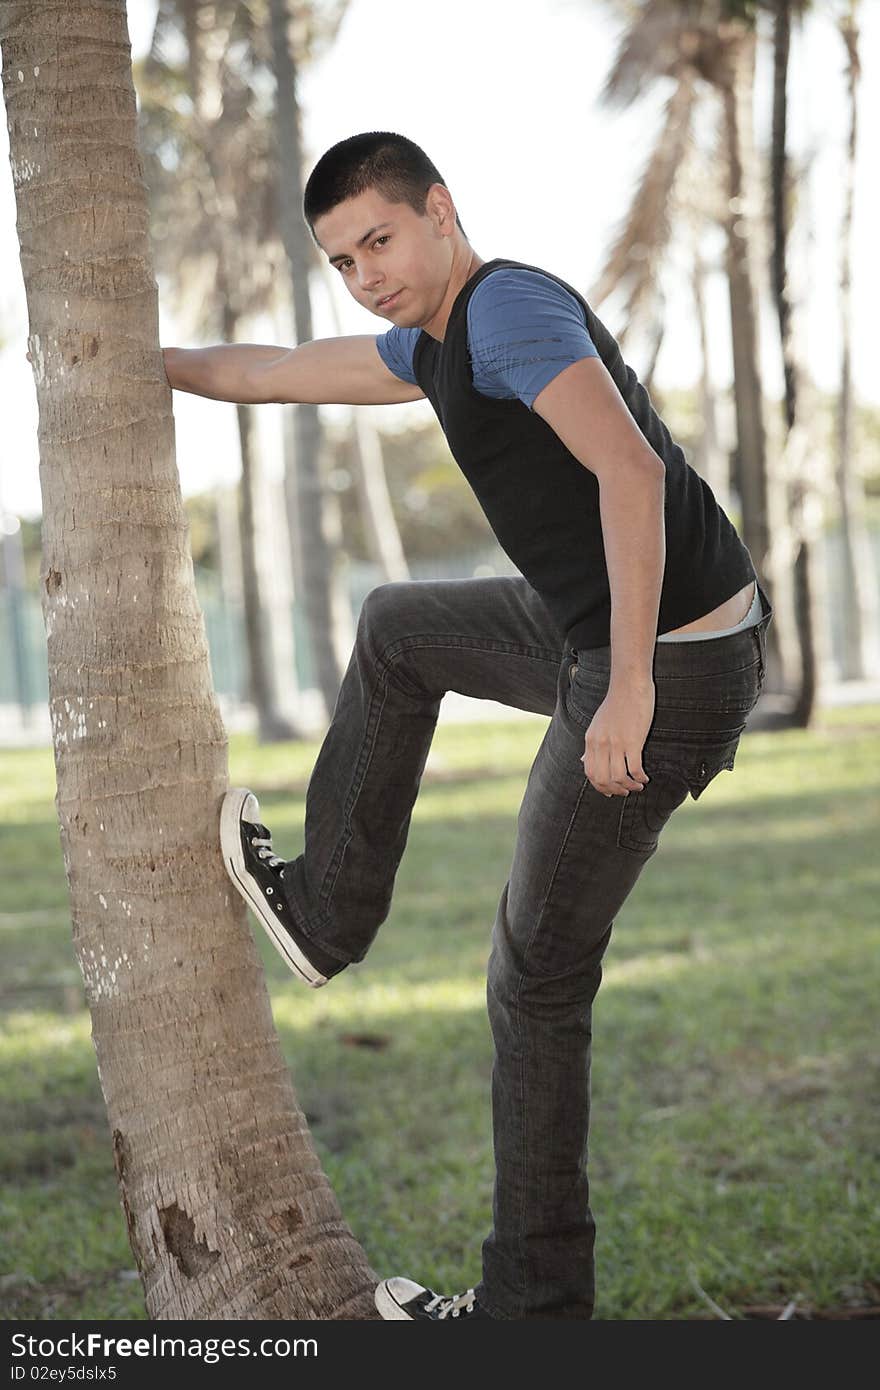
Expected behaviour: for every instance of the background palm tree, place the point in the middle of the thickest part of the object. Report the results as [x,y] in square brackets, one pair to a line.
[715,41]
[320,561]
[381,533]
[700,45]
[207,171]
[247,69]
[861,618]
[801,468]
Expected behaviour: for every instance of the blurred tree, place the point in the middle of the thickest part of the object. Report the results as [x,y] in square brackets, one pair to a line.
[800,464]
[688,42]
[679,187]
[432,501]
[207,184]
[710,459]
[861,657]
[715,41]
[228,1212]
[379,524]
[289,22]
[238,143]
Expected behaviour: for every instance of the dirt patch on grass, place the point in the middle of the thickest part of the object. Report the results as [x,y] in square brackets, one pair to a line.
[25,1298]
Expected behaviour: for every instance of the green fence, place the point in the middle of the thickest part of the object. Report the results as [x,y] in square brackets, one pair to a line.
[24,676]
[23,670]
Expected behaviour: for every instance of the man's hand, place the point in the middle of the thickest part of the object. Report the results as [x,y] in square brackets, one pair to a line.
[613,746]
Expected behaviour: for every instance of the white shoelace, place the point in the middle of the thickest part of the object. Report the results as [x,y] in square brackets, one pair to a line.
[452,1307]
[264,851]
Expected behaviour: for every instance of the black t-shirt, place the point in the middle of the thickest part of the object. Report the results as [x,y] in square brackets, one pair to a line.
[543,504]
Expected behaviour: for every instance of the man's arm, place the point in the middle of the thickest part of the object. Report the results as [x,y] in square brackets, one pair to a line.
[327,371]
[585,409]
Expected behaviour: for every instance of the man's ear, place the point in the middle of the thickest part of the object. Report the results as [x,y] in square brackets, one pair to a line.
[440,208]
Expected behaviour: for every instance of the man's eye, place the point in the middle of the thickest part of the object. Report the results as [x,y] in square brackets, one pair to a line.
[343,266]
[380,240]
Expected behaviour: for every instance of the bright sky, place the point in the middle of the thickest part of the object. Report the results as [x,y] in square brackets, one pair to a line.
[507,108]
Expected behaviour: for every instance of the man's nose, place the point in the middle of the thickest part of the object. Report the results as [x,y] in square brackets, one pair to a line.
[369,276]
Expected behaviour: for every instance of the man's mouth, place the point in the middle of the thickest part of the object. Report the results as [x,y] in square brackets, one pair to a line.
[388,300]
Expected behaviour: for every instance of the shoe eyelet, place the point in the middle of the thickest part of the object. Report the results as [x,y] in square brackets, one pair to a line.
[270,891]
[280,907]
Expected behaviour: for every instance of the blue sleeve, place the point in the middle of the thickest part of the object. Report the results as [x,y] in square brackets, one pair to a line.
[396,349]
[523,330]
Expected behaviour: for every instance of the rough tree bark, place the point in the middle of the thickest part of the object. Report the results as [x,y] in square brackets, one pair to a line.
[228,1211]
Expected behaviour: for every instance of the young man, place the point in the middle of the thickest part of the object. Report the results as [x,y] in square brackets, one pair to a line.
[637,624]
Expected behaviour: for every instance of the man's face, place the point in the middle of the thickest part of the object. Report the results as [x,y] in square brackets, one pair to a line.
[393,260]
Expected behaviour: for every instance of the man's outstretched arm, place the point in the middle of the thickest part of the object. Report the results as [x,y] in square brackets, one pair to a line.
[585,409]
[327,371]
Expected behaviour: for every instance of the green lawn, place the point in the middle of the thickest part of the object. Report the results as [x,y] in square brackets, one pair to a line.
[736,1077]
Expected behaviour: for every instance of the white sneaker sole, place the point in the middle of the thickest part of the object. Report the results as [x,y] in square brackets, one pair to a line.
[388,1305]
[249,888]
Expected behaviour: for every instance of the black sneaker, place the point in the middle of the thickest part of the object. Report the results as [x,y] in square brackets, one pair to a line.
[402,1298]
[257,874]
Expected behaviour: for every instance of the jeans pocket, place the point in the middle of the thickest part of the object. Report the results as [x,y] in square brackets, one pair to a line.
[711,762]
[585,692]
[686,769]
[645,813]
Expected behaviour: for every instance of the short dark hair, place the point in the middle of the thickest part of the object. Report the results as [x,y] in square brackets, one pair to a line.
[396,167]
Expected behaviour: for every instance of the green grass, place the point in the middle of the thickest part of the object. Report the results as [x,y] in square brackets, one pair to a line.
[736,1076]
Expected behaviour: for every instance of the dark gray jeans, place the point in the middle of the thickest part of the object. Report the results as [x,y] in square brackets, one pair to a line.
[577,855]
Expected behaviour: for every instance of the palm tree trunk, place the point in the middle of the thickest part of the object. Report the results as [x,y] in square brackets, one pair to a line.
[752,473]
[860,618]
[655,332]
[761,497]
[320,564]
[272,726]
[710,459]
[802,495]
[228,1212]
